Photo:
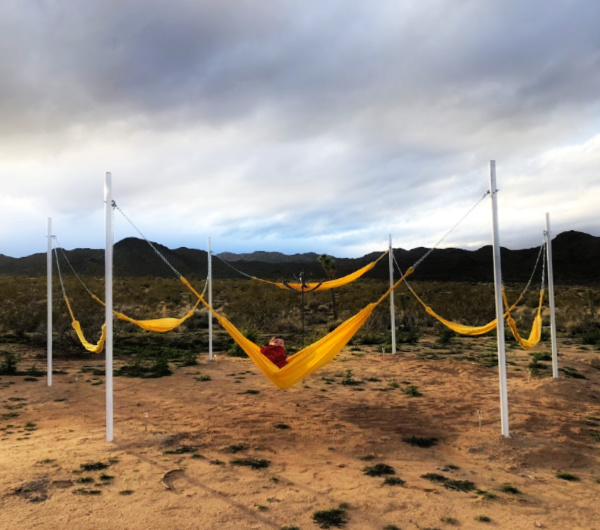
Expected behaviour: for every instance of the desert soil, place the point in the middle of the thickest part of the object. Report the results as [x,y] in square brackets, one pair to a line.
[176,440]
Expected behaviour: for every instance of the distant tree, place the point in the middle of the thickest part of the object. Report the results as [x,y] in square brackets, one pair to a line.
[328,264]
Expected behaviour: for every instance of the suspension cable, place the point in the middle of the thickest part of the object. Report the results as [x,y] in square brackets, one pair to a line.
[64,254]
[231,266]
[62,285]
[116,207]
[62,251]
[426,255]
[540,254]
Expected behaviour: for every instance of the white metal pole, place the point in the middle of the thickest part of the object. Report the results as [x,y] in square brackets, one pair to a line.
[210,316]
[392,311]
[499,307]
[551,297]
[49,297]
[108,267]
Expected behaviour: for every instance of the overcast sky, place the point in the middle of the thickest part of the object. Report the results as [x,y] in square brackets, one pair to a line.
[298,126]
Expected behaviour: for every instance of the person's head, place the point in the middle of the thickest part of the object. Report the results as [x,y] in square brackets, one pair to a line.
[277,341]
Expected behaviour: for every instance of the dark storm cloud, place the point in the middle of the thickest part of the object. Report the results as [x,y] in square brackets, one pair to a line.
[345,114]
[312,65]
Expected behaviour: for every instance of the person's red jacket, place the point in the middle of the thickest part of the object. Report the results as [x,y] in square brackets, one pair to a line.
[275,354]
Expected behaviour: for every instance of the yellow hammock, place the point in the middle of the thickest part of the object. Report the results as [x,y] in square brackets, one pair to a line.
[157,325]
[534,336]
[324,286]
[536,329]
[461,328]
[309,359]
[94,348]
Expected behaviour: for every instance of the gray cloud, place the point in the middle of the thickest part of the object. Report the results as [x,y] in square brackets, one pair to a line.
[293,120]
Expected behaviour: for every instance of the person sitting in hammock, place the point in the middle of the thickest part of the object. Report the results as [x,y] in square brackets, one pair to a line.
[275,352]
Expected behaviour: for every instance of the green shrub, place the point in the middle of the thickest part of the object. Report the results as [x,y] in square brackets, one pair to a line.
[420,442]
[412,390]
[379,470]
[235,448]
[369,338]
[508,488]
[235,350]
[254,463]
[591,337]
[568,476]
[336,517]
[160,368]
[10,363]
[349,380]
[93,466]
[184,449]
[456,485]
[445,336]
[393,481]
[408,337]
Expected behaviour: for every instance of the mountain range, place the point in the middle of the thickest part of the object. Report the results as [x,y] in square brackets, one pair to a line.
[576,256]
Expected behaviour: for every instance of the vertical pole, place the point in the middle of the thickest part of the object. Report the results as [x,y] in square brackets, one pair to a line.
[392,311]
[302,303]
[49,298]
[499,307]
[108,297]
[551,297]
[210,316]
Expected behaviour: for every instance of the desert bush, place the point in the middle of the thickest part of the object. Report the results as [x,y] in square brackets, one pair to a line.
[369,338]
[591,337]
[411,336]
[445,336]
[286,325]
[235,350]
[10,363]
[334,517]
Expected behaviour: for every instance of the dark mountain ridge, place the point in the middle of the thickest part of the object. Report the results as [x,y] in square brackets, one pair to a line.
[575,261]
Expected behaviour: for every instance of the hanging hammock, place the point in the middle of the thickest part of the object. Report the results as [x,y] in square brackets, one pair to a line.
[94,348]
[463,329]
[455,326]
[309,359]
[535,334]
[324,286]
[157,325]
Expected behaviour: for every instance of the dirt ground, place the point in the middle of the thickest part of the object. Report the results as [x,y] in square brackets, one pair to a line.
[172,463]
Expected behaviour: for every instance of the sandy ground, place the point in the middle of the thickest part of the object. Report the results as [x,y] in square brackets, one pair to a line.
[176,438]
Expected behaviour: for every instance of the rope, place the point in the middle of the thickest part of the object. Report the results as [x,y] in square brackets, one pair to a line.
[62,251]
[62,285]
[426,255]
[116,207]
[540,254]
[95,297]
[231,266]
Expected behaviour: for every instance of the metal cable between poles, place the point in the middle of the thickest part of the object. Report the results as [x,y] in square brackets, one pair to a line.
[83,284]
[426,255]
[541,254]
[232,267]
[116,207]
[62,251]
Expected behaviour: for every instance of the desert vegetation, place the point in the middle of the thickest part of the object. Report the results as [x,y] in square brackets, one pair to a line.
[260,311]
